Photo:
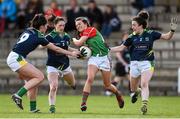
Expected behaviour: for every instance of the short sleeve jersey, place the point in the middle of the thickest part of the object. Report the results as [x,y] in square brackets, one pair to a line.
[95,41]
[141,46]
[28,41]
[58,60]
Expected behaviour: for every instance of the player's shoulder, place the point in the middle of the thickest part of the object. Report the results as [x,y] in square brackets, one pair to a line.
[132,35]
[67,35]
[149,31]
[52,34]
[90,29]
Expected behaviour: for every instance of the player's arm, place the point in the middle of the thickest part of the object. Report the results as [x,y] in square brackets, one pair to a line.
[72,49]
[121,59]
[173,26]
[81,41]
[60,50]
[118,48]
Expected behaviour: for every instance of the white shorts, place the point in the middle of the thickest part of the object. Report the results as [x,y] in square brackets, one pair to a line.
[15,61]
[137,67]
[51,69]
[102,63]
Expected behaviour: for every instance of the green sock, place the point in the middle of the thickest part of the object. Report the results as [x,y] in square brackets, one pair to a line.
[32,105]
[52,108]
[21,91]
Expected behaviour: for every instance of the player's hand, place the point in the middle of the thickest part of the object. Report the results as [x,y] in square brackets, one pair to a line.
[75,53]
[173,24]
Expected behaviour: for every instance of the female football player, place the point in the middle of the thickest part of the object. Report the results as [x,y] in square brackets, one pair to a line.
[28,41]
[99,60]
[140,44]
[58,63]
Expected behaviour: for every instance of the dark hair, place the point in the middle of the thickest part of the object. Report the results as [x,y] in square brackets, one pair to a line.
[51,18]
[38,20]
[59,19]
[84,20]
[144,14]
[140,21]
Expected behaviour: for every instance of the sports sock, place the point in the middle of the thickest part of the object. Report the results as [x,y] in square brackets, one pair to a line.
[52,107]
[73,87]
[32,105]
[144,102]
[84,98]
[21,91]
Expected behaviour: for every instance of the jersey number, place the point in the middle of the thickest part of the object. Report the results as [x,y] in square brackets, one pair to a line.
[23,37]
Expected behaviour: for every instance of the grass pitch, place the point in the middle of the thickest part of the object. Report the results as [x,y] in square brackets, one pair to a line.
[98,107]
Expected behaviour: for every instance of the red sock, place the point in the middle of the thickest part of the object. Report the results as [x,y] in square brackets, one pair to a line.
[84,98]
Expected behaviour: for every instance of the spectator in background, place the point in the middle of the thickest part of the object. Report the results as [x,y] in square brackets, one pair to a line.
[72,13]
[95,15]
[8,13]
[54,9]
[33,7]
[2,22]
[111,21]
[21,14]
[148,5]
[137,5]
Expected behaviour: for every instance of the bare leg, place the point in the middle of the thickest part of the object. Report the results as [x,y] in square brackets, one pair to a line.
[107,83]
[70,79]
[92,70]
[53,84]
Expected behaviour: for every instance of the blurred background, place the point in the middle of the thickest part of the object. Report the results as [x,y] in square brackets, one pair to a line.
[112,18]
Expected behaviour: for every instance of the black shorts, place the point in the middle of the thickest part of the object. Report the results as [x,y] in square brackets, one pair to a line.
[120,69]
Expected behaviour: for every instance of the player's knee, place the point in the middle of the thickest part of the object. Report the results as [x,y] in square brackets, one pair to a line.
[144,85]
[40,76]
[90,80]
[54,87]
[107,86]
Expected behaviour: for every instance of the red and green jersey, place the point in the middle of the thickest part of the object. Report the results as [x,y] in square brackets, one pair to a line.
[95,41]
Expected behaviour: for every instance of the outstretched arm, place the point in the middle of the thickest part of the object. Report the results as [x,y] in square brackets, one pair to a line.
[60,50]
[173,25]
[118,48]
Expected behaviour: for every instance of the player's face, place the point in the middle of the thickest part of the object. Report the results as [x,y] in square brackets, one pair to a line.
[60,26]
[136,27]
[43,28]
[80,26]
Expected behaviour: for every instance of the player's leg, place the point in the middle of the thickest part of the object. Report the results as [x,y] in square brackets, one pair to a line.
[53,75]
[33,76]
[32,94]
[135,91]
[91,72]
[134,81]
[68,76]
[145,79]
[107,83]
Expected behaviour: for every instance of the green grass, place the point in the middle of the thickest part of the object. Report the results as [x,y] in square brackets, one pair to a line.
[98,107]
